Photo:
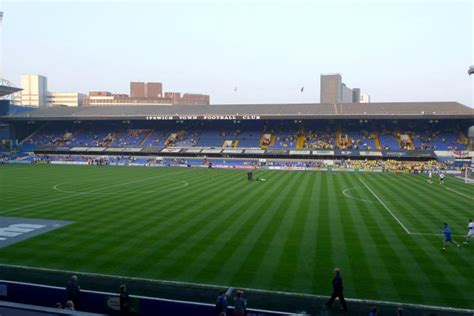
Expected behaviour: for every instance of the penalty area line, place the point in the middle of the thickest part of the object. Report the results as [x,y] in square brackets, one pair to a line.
[385,206]
[459,193]
[396,218]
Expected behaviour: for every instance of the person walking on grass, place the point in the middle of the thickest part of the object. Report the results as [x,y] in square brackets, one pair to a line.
[470,231]
[441,177]
[337,290]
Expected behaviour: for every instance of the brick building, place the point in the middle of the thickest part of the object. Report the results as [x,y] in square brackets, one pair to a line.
[145,93]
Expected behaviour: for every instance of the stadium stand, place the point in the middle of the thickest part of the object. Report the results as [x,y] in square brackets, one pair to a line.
[128,137]
[321,140]
[330,138]
[423,130]
[388,140]
[363,140]
[155,139]
[410,127]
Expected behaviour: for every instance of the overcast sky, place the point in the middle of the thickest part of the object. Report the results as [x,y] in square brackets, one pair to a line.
[395,51]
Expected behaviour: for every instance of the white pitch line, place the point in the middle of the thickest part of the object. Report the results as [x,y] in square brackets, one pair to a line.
[185,184]
[396,218]
[353,197]
[385,206]
[459,193]
[93,191]
[431,234]
[216,286]
[56,188]
[459,179]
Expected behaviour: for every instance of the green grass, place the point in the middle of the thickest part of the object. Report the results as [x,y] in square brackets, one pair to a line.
[212,226]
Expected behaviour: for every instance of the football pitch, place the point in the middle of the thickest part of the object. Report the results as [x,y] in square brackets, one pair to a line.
[212,226]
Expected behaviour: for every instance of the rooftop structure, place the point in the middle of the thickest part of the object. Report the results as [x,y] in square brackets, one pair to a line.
[395,110]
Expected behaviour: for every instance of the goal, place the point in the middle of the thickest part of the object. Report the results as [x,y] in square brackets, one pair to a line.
[469,174]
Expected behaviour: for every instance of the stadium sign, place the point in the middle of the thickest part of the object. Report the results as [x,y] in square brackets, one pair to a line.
[395,154]
[15,229]
[323,152]
[349,153]
[371,153]
[201,117]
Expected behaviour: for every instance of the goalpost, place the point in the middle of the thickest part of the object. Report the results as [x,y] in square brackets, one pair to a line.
[469,174]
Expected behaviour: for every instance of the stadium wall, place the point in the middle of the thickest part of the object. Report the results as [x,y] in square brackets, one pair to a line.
[180,298]
[241,153]
[108,303]
[4,107]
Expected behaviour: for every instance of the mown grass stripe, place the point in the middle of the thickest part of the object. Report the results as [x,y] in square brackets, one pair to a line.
[227,206]
[322,257]
[288,238]
[235,251]
[355,242]
[260,237]
[297,225]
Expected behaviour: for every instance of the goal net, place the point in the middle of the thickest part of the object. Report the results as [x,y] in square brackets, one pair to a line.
[469,175]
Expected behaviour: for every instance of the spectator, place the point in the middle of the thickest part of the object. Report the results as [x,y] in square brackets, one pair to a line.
[58,305]
[221,304]
[373,311]
[337,290]
[70,305]
[73,290]
[399,311]
[124,300]
[240,304]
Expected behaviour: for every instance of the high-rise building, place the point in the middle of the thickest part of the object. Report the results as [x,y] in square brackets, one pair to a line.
[333,90]
[146,90]
[137,90]
[355,95]
[69,99]
[35,94]
[154,90]
[364,98]
[35,91]
[346,94]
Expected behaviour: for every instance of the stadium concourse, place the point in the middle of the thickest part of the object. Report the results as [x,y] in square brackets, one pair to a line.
[368,142]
